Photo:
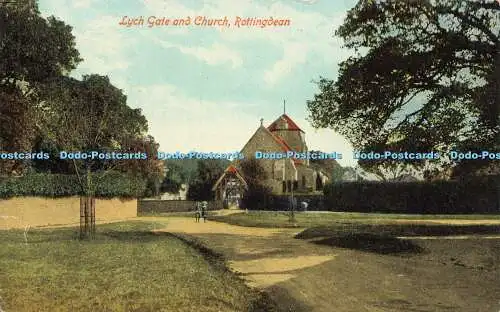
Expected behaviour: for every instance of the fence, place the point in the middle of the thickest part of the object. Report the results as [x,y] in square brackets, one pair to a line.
[165,206]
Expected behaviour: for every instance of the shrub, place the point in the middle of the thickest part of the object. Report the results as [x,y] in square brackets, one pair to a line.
[108,185]
[473,195]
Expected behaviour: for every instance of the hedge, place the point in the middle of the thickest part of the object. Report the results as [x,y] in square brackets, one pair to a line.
[107,185]
[282,202]
[474,195]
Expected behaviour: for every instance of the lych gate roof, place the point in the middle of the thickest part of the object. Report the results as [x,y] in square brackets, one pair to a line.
[291,124]
[230,170]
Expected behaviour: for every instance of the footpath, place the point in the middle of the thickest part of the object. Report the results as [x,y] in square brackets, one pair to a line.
[302,276]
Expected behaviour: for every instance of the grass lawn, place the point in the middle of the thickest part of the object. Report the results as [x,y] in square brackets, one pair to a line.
[166,214]
[313,219]
[126,268]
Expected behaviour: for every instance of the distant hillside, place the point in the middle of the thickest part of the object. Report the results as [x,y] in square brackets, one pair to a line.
[189,167]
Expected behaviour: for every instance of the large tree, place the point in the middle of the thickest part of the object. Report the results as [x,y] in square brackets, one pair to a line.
[208,171]
[42,108]
[92,115]
[32,50]
[425,76]
[256,196]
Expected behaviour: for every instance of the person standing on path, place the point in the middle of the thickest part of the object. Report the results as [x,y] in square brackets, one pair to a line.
[204,207]
[197,213]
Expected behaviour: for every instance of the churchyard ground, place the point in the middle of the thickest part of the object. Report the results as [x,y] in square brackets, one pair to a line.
[126,268]
[325,262]
[358,262]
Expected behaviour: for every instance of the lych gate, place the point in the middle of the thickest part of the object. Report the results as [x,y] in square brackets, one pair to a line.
[230,187]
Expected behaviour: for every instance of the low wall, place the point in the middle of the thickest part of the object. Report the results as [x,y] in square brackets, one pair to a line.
[18,212]
[165,206]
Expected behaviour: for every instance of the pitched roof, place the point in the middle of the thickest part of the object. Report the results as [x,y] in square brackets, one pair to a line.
[233,171]
[291,124]
[283,144]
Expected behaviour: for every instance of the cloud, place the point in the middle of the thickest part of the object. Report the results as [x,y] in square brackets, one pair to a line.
[100,42]
[82,4]
[103,45]
[213,55]
[310,32]
[293,55]
[181,122]
[307,1]
[327,140]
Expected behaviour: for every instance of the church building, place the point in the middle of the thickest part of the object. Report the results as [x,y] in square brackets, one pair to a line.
[283,176]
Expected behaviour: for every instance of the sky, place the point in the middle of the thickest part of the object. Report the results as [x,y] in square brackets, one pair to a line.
[206,88]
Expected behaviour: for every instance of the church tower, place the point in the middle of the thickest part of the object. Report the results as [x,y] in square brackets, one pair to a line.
[288,131]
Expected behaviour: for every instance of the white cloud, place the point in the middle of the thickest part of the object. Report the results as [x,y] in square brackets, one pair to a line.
[309,32]
[214,55]
[294,54]
[180,122]
[82,4]
[307,1]
[328,141]
[103,45]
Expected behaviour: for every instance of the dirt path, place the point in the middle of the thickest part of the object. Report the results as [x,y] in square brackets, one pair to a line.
[458,275]
[302,276]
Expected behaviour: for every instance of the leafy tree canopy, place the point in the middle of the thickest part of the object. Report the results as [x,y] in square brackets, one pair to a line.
[33,48]
[208,171]
[257,195]
[425,76]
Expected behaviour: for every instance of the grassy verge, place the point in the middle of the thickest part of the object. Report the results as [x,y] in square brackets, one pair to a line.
[127,268]
[394,230]
[384,238]
[166,214]
[312,219]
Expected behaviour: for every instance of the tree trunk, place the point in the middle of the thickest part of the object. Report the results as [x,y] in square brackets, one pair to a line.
[87,211]
[82,217]
[92,217]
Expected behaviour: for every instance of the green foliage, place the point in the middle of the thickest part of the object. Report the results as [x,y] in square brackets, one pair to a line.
[338,174]
[467,196]
[107,185]
[425,77]
[91,114]
[257,196]
[34,48]
[187,169]
[208,171]
[174,177]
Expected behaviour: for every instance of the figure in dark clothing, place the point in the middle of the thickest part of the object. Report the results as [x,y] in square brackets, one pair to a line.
[197,213]
[204,208]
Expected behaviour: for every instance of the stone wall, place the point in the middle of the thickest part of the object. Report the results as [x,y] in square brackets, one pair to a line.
[19,212]
[165,206]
